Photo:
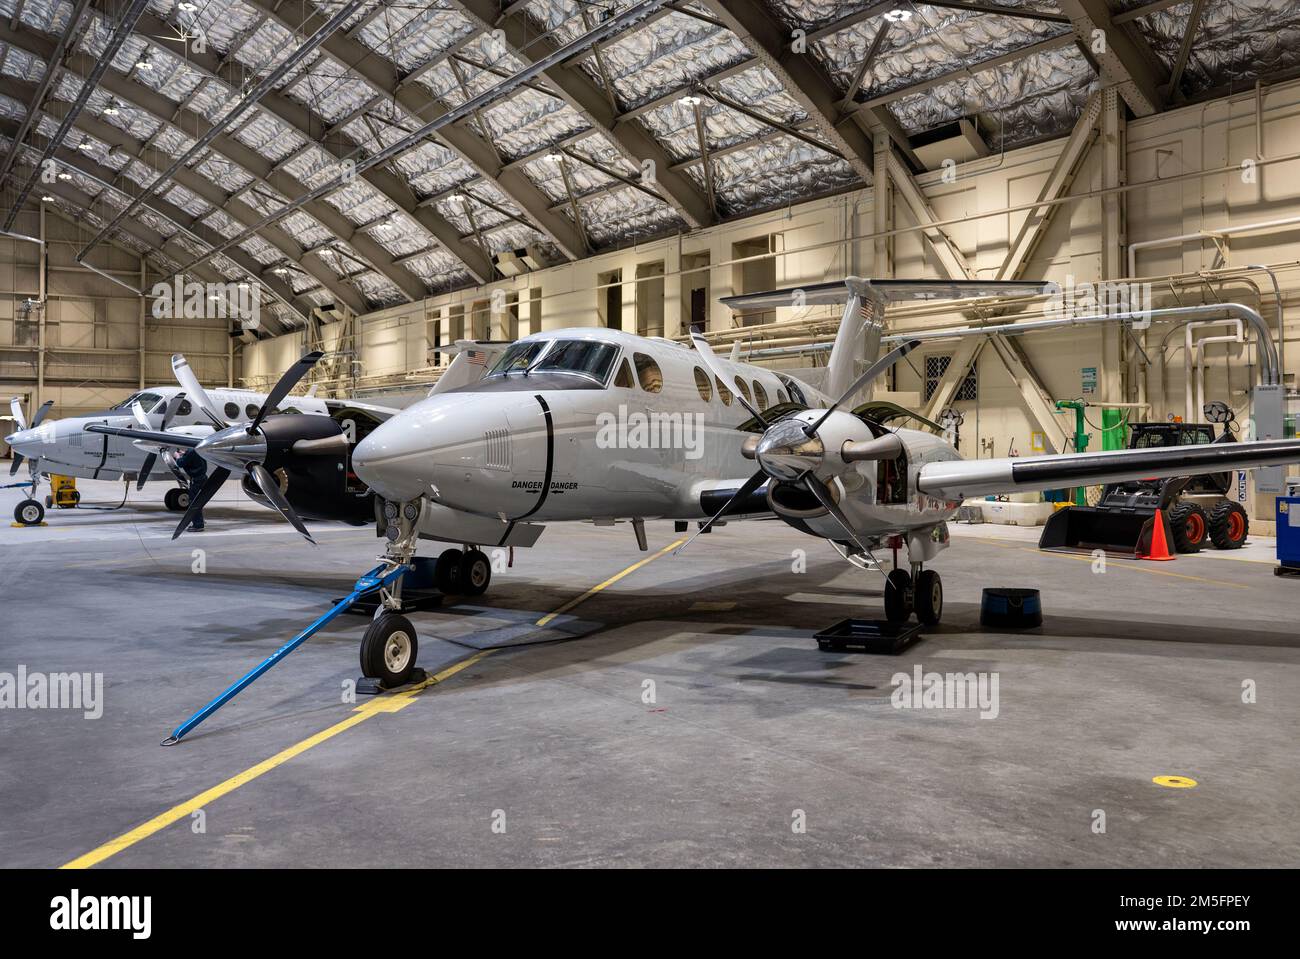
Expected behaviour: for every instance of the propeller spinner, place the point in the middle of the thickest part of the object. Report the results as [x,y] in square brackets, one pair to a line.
[241,449]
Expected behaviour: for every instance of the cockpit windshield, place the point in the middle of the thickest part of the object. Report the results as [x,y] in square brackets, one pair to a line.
[147,400]
[518,357]
[589,358]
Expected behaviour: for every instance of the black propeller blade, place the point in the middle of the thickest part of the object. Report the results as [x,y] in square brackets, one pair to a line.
[288,380]
[751,484]
[40,414]
[823,494]
[172,406]
[873,371]
[214,481]
[271,490]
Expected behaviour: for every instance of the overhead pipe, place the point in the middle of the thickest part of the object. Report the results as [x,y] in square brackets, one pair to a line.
[249,100]
[1268,358]
[88,86]
[507,86]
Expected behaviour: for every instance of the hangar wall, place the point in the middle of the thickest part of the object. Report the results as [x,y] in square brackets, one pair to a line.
[94,329]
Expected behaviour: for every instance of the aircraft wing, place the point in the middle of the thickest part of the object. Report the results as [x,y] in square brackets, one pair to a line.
[152,437]
[961,479]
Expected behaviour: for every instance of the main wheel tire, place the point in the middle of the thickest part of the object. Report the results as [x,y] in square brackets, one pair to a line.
[29,512]
[389,649]
[177,500]
[929,597]
[1229,525]
[475,573]
[169,500]
[898,596]
[446,572]
[1190,527]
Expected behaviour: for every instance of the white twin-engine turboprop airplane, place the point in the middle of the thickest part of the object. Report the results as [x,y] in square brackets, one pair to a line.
[597,424]
[64,447]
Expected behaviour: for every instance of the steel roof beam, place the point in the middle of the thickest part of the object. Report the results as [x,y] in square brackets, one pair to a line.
[362,61]
[170,112]
[167,111]
[178,216]
[311,127]
[801,77]
[1123,62]
[586,96]
[53,67]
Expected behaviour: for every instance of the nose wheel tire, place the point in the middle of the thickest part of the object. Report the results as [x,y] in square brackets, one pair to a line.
[475,573]
[898,596]
[929,597]
[389,649]
[177,500]
[446,572]
[29,513]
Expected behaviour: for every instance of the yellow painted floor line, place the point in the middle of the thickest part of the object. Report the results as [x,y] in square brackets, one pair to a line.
[384,703]
[1132,567]
[609,582]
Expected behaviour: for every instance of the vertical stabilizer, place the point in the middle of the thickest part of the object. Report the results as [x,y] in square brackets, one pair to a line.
[858,341]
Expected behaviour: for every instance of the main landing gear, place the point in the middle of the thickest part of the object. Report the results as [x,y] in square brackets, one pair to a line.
[921,593]
[177,500]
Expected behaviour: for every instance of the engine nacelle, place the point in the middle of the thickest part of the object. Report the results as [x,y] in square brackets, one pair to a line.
[310,457]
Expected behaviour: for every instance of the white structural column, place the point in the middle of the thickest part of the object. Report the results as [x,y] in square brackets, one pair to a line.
[1114,238]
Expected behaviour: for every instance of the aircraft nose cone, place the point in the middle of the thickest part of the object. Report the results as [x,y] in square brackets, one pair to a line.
[26,442]
[786,453]
[387,461]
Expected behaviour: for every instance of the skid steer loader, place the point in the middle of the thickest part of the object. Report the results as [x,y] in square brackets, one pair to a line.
[1196,508]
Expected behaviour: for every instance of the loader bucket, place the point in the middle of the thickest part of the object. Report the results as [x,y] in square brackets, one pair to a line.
[1087,528]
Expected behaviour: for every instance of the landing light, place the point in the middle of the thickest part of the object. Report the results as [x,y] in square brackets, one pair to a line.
[898,16]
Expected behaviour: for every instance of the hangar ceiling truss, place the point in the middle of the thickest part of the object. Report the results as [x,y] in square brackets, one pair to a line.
[693,112]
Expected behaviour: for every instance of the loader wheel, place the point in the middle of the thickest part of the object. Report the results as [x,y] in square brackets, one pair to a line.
[1190,526]
[1229,525]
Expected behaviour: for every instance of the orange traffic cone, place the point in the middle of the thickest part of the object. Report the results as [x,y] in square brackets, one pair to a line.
[1159,542]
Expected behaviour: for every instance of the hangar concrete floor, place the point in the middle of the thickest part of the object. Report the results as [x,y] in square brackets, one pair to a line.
[1136,673]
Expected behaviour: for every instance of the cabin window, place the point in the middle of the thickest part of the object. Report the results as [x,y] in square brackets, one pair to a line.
[250,411]
[231,411]
[760,396]
[703,385]
[781,398]
[796,394]
[744,389]
[652,378]
[724,394]
[185,409]
[624,377]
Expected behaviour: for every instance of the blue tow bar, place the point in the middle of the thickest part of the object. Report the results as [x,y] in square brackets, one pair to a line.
[368,583]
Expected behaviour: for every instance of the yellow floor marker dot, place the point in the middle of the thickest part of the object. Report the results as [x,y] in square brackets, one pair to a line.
[1175,782]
